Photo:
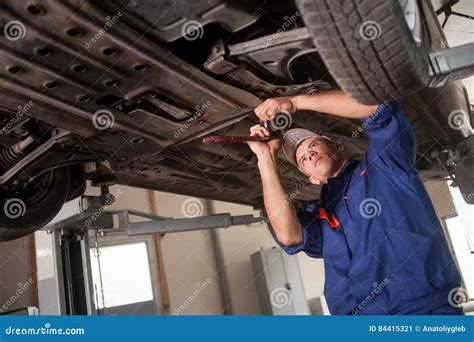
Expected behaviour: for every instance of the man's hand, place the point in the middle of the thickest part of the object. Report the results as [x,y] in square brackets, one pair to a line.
[270,107]
[263,149]
[331,102]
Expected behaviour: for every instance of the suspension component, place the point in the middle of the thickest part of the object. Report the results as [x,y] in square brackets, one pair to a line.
[9,156]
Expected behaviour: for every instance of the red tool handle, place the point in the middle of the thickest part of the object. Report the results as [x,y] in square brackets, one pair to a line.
[229,139]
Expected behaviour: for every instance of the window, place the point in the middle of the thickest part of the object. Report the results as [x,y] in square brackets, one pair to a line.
[121,274]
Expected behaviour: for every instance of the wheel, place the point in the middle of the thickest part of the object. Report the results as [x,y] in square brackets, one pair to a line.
[374,49]
[77,187]
[24,211]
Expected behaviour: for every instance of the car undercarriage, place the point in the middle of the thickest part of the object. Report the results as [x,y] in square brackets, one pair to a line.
[123,92]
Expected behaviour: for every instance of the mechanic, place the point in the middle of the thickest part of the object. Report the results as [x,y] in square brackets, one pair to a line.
[374,224]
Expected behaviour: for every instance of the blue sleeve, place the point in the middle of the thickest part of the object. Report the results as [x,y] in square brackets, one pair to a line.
[392,142]
[312,243]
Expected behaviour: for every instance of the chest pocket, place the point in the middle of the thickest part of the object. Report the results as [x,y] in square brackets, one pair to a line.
[337,244]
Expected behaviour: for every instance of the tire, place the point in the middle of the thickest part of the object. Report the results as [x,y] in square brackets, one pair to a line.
[367,47]
[28,210]
[78,183]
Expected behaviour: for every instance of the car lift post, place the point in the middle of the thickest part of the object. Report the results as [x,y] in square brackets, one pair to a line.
[71,243]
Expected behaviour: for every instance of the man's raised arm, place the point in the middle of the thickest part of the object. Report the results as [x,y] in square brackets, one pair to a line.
[280,211]
[333,102]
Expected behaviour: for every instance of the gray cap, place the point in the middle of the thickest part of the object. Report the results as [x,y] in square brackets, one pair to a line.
[293,138]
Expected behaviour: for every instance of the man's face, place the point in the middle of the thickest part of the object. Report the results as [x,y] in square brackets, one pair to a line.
[318,158]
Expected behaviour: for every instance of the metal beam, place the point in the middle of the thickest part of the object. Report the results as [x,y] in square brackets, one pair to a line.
[188,224]
[86,213]
[451,64]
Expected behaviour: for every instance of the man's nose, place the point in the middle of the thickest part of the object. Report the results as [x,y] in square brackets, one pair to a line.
[312,154]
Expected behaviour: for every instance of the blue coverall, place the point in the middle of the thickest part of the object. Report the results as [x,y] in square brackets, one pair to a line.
[374,224]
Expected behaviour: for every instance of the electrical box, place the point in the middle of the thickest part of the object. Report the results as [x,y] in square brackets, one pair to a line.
[279,283]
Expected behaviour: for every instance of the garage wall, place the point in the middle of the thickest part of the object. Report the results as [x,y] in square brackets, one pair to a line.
[189,260]
[16,275]
[189,263]
[238,243]
[441,198]
[242,241]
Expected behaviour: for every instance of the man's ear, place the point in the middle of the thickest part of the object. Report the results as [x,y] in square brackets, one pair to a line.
[314,181]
